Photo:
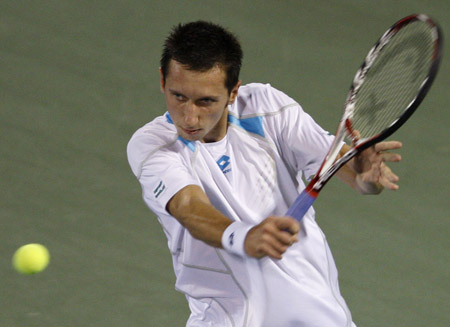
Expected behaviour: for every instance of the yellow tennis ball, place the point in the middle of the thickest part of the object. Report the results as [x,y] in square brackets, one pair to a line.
[31,258]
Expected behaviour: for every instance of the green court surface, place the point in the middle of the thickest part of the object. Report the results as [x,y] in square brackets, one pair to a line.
[77,78]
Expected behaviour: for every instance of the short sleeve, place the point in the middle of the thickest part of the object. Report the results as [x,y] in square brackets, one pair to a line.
[163,175]
[302,142]
[160,168]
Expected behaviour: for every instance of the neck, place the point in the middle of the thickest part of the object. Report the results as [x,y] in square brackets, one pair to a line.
[219,131]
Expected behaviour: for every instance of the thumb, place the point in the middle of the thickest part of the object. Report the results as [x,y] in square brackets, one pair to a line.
[288,224]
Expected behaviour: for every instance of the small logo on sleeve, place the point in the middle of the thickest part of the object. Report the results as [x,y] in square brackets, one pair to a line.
[159,189]
[231,239]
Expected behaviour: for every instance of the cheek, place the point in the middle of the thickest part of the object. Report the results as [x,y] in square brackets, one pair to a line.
[172,107]
[216,115]
[169,102]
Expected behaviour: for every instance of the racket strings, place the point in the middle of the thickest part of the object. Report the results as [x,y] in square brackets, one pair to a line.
[394,79]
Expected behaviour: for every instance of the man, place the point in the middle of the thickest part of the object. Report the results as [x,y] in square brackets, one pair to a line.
[221,168]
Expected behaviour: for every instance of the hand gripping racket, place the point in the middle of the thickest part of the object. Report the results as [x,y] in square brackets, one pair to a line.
[386,90]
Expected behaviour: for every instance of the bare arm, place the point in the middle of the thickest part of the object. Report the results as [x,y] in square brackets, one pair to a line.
[192,208]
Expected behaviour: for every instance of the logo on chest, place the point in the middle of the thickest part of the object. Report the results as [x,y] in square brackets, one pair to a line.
[224,164]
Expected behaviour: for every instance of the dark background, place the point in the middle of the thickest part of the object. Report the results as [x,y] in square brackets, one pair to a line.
[77,78]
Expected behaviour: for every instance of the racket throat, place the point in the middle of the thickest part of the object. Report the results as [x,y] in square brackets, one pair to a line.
[314,187]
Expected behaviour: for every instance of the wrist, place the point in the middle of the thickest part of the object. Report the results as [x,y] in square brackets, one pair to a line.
[233,238]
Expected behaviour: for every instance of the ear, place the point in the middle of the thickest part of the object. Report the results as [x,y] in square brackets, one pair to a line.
[234,93]
[162,82]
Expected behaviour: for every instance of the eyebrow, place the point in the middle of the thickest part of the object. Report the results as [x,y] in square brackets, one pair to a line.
[175,92]
[210,97]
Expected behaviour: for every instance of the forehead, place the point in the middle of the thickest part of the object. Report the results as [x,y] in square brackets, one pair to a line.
[181,76]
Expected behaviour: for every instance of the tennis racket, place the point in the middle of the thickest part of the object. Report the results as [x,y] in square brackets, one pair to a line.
[386,90]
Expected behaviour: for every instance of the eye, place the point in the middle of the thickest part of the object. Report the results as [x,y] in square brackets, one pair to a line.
[179,96]
[207,101]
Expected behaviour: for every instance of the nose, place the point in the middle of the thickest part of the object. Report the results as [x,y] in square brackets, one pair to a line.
[191,115]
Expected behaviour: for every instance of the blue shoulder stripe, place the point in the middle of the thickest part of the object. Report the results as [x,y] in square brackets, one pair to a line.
[252,124]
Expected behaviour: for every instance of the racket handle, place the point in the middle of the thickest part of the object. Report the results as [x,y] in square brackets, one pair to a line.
[301,205]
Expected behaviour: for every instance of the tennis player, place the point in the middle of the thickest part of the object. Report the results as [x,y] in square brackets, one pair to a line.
[220,168]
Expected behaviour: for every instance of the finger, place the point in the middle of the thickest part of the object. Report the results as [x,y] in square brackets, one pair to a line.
[260,242]
[388,179]
[388,184]
[274,254]
[387,173]
[284,238]
[284,232]
[355,136]
[287,224]
[270,238]
[388,145]
[391,157]
[270,246]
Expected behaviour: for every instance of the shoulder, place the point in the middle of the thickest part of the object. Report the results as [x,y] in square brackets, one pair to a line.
[150,138]
[260,99]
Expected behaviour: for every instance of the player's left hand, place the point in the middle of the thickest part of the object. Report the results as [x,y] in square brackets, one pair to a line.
[372,172]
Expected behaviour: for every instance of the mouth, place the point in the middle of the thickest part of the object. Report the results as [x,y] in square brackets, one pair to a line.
[191,131]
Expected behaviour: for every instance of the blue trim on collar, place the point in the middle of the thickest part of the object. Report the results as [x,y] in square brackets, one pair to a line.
[189,144]
[252,125]
[169,119]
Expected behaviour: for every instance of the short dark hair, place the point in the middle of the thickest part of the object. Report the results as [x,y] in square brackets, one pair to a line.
[200,46]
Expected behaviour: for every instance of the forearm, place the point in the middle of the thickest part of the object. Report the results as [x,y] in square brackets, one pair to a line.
[194,211]
[205,223]
[192,208]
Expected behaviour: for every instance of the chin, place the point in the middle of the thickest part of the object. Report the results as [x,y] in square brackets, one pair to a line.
[190,137]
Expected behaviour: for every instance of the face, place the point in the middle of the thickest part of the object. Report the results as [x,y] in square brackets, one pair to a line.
[198,102]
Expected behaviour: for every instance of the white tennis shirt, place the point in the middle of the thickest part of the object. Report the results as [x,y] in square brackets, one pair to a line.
[254,172]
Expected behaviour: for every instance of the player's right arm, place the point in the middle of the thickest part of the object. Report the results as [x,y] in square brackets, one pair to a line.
[192,208]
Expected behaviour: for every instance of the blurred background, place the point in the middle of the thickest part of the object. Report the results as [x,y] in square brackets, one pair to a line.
[77,78]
